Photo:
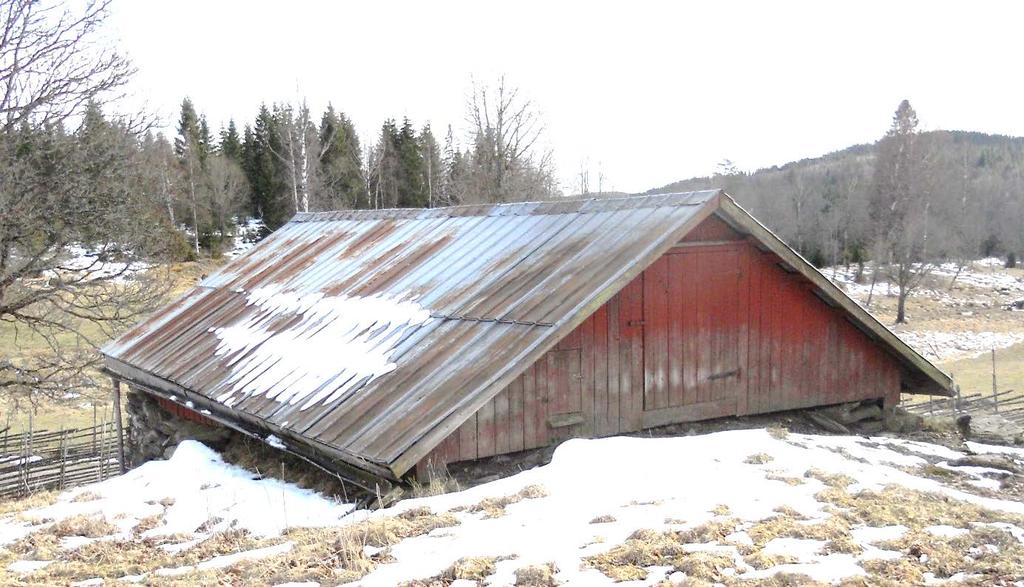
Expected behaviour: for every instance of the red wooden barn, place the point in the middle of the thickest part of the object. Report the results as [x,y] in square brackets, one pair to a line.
[374,341]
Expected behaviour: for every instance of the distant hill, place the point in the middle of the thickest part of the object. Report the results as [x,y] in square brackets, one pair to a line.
[819,204]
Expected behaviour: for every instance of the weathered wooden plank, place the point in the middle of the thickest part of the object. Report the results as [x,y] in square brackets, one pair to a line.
[743,332]
[677,277]
[516,419]
[485,430]
[600,372]
[612,424]
[689,413]
[467,439]
[582,396]
[501,422]
[531,405]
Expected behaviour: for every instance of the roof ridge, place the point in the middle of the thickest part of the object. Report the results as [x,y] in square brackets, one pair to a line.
[557,206]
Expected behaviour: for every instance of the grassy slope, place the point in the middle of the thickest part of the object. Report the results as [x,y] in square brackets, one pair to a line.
[78,412]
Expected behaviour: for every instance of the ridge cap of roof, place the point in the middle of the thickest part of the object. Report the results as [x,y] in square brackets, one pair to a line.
[557,206]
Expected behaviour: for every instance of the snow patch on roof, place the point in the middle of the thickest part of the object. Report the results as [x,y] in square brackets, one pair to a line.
[327,345]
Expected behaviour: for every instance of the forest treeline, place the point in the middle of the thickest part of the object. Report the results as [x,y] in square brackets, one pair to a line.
[973,199]
[287,160]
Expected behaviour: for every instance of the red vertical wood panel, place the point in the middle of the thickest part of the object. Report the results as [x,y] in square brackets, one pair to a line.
[516,417]
[655,344]
[530,407]
[613,377]
[543,401]
[631,370]
[743,330]
[753,366]
[676,307]
[467,439]
[502,433]
[600,373]
[581,397]
[485,430]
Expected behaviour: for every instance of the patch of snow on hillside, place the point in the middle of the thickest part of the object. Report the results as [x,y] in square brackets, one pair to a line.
[195,486]
[656,480]
[247,234]
[335,343]
[951,346]
[637,483]
[87,264]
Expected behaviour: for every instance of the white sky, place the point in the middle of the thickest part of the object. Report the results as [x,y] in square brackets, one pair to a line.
[651,92]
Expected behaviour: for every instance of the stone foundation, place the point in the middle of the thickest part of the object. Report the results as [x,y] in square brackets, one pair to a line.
[154,433]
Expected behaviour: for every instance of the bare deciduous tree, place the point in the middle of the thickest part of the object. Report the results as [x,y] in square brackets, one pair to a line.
[76,221]
[52,63]
[504,162]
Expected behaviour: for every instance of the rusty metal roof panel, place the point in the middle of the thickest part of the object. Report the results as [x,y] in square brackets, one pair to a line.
[365,329]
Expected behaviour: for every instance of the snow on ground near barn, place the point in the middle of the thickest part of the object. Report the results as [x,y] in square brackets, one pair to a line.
[730,506]
[953,314]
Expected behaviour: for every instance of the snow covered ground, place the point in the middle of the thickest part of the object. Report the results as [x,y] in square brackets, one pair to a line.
[746,505]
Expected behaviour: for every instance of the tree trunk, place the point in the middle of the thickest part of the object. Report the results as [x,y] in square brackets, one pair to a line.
[901,306]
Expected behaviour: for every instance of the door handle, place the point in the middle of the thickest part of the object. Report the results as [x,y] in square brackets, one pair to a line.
[724,375]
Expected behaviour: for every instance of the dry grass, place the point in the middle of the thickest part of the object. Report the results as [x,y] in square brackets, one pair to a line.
[87,526]
[713,531]
[31,502]
[721,510]
[645,548]
[326,555]
[148,523]
[759,459]
[257,456]
[842,544]
[987,551]
[778,432]
[791,481]
[761,560]
[916,509]
[85,496]
[494,507]
[537,576]
[468,569]
[784,526]
[338,555]
[604,519]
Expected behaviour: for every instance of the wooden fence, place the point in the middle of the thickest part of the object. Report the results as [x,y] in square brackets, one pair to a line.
[38,460]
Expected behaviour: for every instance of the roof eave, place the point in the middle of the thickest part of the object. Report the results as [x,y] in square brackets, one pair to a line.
[351,468]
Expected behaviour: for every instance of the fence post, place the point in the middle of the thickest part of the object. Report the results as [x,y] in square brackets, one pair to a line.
[118,426]
[995,391]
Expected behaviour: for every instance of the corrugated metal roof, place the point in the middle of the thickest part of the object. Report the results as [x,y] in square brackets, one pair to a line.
[370,332]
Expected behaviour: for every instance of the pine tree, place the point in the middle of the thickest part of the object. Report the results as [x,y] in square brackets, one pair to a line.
[263,171]
[190,146]
[432,167]
[411,173]
[341,170]
[384,168]
[230,143]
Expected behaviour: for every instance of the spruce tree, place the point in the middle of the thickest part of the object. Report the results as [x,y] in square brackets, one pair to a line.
[411,173]
[264,172]
[230,143]
[432,167]
[340,161]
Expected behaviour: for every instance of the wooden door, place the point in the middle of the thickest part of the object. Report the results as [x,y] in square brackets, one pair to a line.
[693,322]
